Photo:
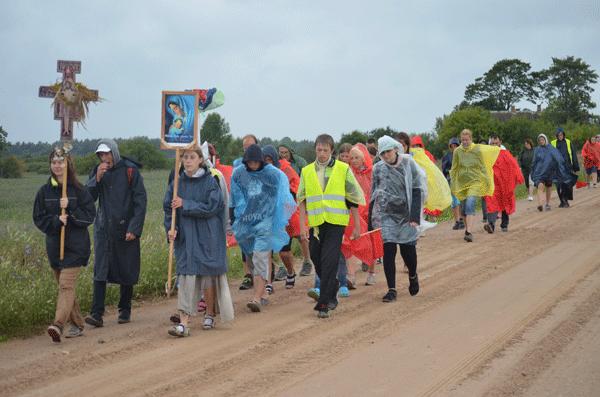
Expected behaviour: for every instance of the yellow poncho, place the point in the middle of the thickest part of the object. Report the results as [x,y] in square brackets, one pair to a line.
[471,173]
[438,191]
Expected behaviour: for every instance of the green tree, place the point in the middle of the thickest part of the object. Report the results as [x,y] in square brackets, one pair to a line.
[354,137]
[142,149]
[567,86]
[506,83]
[11,167]
[379,132]
[476,119]
[3,141]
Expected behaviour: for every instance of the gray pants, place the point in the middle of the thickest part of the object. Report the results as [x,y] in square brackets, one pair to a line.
[190,288]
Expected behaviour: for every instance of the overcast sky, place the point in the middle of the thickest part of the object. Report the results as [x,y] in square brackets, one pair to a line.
[287,68]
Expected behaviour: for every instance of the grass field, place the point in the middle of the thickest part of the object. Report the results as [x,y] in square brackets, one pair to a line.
[27,300]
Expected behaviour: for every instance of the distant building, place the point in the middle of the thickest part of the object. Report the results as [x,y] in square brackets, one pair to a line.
[505,115]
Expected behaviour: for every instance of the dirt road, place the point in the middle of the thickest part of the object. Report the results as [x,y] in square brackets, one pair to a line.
[514,313]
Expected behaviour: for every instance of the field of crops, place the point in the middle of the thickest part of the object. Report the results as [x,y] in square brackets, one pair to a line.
[28,296]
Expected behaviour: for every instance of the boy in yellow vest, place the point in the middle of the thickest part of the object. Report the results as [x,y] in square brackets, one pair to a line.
[327,195]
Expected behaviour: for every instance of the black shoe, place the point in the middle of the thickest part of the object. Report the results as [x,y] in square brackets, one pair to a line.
[320,307]
[461,224]
[124,317]
[413,288]
[566,204]
[561,205]
[489,228]
[332,305]
[540,208]
[456,226]
[468,237]
[94,320]
[247,282]
[390,296]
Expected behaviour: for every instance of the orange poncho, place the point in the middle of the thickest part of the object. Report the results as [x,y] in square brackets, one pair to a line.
[507,175]
[364,176]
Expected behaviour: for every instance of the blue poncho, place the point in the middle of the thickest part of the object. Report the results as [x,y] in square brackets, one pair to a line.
[262,205]
[549,165]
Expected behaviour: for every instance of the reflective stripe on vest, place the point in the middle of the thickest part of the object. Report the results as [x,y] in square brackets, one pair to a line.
[329,206]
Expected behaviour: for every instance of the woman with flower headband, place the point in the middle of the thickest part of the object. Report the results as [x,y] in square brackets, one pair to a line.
[80,213]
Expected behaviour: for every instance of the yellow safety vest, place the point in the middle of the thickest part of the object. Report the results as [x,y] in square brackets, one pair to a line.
[329,206]
[568,142]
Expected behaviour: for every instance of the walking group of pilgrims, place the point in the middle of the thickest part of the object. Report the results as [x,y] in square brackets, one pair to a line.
[271,196]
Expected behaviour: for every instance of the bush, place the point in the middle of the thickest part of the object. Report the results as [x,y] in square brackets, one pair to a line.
[11,167]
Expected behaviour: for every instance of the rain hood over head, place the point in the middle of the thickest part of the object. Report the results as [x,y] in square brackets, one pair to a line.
[548,164]
[114,148]
[269,151]
[386,143]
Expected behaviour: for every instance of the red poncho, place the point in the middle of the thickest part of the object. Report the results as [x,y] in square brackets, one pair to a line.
[591,154]
[364,176]
[507,175]
[418,141]
[226,170]
[293,227]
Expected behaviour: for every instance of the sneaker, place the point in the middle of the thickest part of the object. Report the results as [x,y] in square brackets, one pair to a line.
[55,333]
[270,289]
[461,224]
[566,204]
[351,281]
[468,237]
[247,282]
[456,226]
[323,313]
[314,293]
[209,322]
[254,306]
[547,207]
[179,331]
[74,331]
[306,268]
[281,274]
[530,198]
[370,279]
[489,228]
[96,321]
[290,281]
[175,318]
[124,317]
[364,267]
[390,296]
[344,292]
[540,208]
[504,229]
[413,288]
[332,305]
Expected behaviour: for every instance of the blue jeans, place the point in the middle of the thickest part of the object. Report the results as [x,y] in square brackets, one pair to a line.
[342,274]
[468,205]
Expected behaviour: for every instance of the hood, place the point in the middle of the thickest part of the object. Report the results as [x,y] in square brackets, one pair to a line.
[367,161]
[289,149]
[270,151]
[417,140]
[545,137]
[114,149]
[386,143]
[253,153]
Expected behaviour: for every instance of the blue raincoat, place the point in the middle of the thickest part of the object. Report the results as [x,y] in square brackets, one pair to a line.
[549,165]
[262,205]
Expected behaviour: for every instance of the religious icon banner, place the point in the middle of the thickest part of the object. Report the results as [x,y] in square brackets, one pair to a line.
[179,119]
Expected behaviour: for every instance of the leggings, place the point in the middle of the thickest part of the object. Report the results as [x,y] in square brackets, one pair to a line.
[409,255]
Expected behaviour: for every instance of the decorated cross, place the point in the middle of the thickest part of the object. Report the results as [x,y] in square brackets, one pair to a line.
[70,98]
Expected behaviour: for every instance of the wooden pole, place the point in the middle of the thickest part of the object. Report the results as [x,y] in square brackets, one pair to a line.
[173,220]
[63,211]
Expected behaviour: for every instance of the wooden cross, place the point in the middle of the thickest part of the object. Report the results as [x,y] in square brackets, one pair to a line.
[66,114]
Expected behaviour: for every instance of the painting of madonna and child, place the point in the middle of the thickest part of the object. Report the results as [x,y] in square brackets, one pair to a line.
[179,119]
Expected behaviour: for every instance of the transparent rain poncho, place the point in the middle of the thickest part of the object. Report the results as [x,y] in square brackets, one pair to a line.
[472,170]
[438,191]
[391,197]
[262,205]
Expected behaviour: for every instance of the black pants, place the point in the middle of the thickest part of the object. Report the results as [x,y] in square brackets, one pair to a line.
[325,253]
[526,178]
[493,216]
[100,295]
[409,255]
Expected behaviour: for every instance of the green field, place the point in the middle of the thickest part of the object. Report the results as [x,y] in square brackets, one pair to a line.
[28,296]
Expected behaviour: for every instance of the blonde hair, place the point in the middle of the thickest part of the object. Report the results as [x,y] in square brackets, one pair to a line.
[468,132]
[357,151]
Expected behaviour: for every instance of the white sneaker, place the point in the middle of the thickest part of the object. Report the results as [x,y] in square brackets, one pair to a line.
[370,279]
[529,198]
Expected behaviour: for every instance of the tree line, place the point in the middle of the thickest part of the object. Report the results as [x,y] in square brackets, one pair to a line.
[563,91]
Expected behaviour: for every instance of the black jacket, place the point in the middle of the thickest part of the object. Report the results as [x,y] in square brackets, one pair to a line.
[81,212]
[122,200]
